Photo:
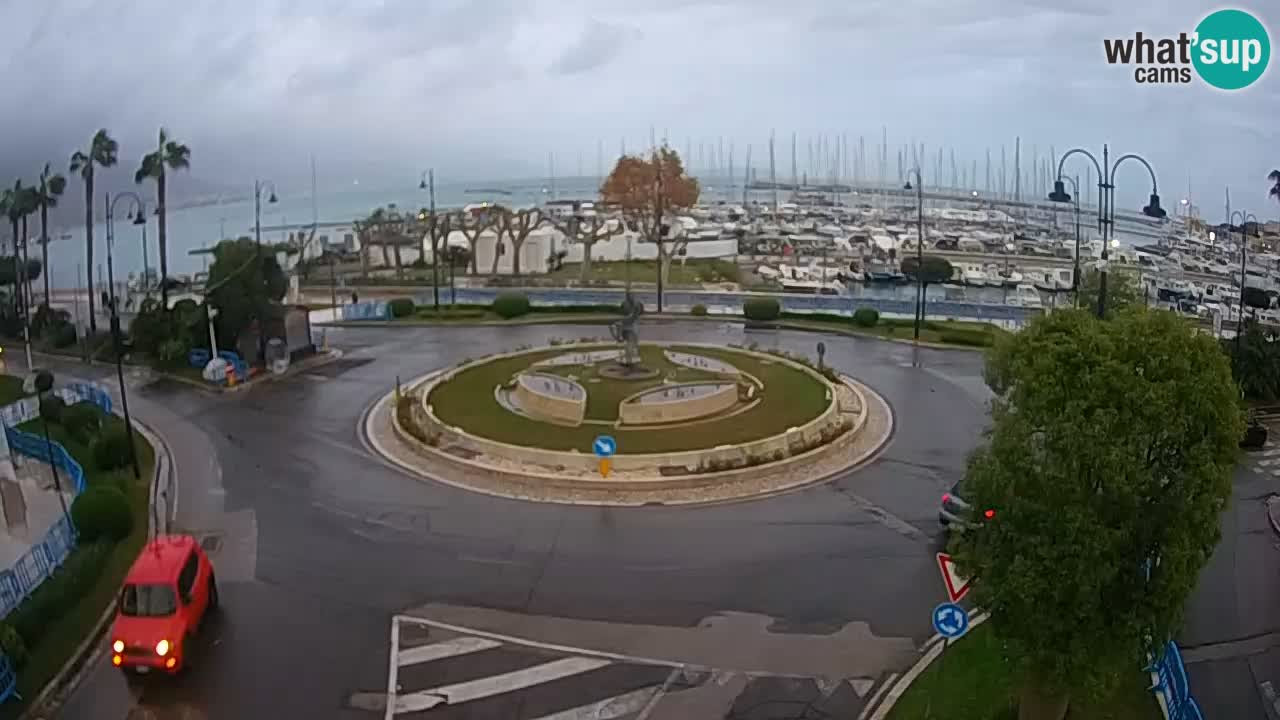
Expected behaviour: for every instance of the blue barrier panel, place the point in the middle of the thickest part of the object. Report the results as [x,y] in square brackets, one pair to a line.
[36,565]
[8,679]
[1171,684]
[36,447]
[367,311]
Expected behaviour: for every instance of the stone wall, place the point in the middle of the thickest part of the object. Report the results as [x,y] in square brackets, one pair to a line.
[778,446]
[634,412]
[565,407]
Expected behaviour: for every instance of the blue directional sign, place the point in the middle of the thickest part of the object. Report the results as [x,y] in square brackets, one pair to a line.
[950,620]
[604,446]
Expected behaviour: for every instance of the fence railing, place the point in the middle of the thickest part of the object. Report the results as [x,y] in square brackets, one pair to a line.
[1169,683]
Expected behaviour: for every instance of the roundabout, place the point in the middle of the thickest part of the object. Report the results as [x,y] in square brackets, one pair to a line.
[687,423]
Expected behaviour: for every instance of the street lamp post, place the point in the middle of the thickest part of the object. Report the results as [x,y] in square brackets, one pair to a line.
[137,211]
[428,183]
[1244,248]
[1106,205]
[258,187]
[919,248]
[1075,267]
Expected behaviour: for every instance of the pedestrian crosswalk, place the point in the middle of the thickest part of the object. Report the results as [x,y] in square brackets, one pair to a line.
[443,672]
[1266,460]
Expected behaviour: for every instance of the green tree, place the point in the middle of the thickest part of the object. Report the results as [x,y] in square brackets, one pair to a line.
[1255,361]
[51,187]
[20,202]
[1256,298]
[243,286]
[927,270]
[1123,290]
[1111,445]
[102,152]
[174,156]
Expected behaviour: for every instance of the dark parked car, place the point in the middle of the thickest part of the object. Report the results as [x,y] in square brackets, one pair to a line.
[954,513]
[1255,435]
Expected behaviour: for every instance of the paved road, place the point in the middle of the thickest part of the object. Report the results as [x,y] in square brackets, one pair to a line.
[788,607]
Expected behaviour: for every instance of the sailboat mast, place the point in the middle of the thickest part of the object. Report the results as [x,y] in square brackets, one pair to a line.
[773,173]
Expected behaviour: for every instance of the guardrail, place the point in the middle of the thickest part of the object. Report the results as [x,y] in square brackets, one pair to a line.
[1169,683]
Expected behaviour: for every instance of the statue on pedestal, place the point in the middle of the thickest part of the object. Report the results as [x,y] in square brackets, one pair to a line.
[624,331]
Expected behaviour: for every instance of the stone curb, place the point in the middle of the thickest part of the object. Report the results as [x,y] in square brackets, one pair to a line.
[781,324]
[315,361]
[45,705]
[896,688]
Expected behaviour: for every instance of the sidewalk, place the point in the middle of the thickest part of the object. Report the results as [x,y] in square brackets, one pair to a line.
[30,507]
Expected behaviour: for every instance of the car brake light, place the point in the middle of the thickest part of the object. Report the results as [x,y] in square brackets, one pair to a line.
[170,663]
[162,648]
[990,514]
[118,646]
[946,497]
[116,660]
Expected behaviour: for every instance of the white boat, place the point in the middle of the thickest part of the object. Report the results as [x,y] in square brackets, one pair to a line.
[974,276]
[812,287]
[1028,296]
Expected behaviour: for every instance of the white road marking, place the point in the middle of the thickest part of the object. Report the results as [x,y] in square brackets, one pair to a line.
[653,701]
[1271,451]
[392,669]
[489,561]
[447,648]
[1270,461]
[496,684]
[861,686]
[607,709]
[879,694]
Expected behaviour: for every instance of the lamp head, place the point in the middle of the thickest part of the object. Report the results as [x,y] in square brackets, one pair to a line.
[140,217]
[1060,193]
[1153,208]
[272,198]
[422,185]
[907,186]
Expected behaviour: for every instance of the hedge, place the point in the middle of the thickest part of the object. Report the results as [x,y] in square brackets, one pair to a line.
[965,336]
[699,310]
[102,513]
[511,305]
[82,420]
[866,317]
[112,450]
[57,595]
[401,307]
[761,309]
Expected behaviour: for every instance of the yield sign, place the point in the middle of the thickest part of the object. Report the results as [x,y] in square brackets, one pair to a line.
[957,587]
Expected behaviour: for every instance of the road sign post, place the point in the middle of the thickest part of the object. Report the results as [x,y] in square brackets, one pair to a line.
[957,585]
[604,447]
[952,622]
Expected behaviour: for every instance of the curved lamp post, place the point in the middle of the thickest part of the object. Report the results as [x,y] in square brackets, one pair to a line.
[259,187]
[919,248]
[1106,205]
[428,183]
[1075,267]
[137,212]
[1244,248]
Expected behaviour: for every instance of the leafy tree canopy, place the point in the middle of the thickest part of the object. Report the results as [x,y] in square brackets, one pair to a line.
[933,269]
[1112,443]
[1255,361]
[1123,290]
[8,267]
[243,286]
[640,185]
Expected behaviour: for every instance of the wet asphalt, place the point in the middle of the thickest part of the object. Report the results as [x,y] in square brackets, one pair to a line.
[344,541]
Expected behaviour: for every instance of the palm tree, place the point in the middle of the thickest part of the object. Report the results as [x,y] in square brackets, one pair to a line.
[51,186]
[19,202]
[9,208]
[102,151]
[1274,177]
[175,156]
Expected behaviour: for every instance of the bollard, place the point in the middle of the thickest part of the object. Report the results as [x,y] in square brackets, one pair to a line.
[397,390]
[231,376]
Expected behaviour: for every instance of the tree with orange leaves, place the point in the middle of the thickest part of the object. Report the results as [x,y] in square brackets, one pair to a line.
[650,192]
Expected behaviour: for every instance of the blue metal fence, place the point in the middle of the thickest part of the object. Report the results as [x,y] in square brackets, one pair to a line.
[1171,685]
[366,311]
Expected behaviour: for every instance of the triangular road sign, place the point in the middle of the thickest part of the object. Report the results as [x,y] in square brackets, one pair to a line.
[957,587]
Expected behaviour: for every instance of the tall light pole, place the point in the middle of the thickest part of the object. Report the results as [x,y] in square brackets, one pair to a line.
[919,247]
[1244,247]
[137,211]
[1106,205]
[259,186]
[1075,200]
[428,183]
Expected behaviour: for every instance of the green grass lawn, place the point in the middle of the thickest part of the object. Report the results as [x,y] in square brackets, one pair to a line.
[691,272]
[64,637]
[941,332]
[10,389]
[791,398]
[975,684]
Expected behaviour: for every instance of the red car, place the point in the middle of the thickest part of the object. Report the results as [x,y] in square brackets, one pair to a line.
[167,595]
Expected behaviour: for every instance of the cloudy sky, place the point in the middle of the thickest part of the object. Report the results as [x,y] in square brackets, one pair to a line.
[485,89]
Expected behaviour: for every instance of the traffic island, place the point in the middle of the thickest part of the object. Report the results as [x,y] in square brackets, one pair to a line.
[707,424]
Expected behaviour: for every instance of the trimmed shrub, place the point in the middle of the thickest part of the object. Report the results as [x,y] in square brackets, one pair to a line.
[111,450]
[13,646]
[48,604]
[761,309]
[965,336]
[401,307]
[63,335]
[511,305]
[699,310]
[866,317]
[52,407]
[101,513]
[82,421]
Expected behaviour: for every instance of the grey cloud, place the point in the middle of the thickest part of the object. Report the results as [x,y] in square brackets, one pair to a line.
[598,43]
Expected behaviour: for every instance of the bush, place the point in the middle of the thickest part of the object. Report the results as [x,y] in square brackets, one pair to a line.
[52,407]
[82,421]
[102,513]
[56,596]
[12,645]
[965,336]
[511,305]
[866,317]
[401,307]
[761,309]
[699,310]
[112,449]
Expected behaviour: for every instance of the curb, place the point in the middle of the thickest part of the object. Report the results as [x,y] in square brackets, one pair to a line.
[783,324]
[45,705]
[933,649]
[1273,506]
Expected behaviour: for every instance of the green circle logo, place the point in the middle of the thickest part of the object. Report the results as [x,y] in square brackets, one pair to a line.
[1231,49]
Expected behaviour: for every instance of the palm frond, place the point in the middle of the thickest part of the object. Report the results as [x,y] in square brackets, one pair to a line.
[177,155]
[1274,176]
[80,163]
[57,185]
[1274,191]
[104,148]
[149,168]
